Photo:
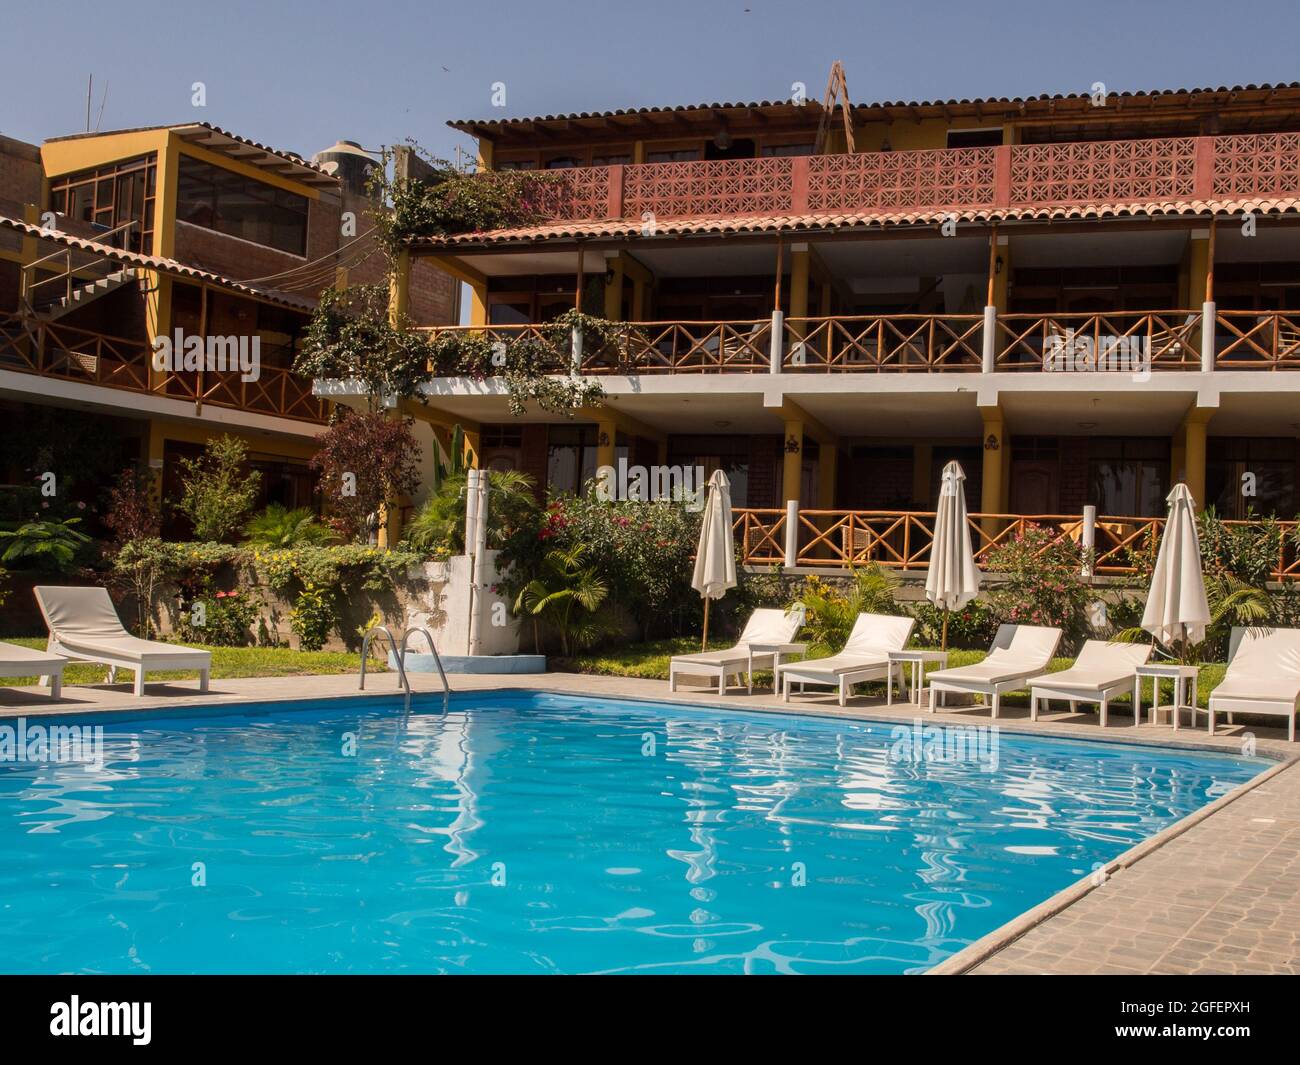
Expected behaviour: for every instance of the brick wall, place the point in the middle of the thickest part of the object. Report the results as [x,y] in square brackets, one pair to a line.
[533,457]
[20,184]
[765,460]
[1073,489]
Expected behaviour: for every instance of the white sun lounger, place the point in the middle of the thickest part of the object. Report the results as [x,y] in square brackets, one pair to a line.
[1018,653]
[85,627]
[1101,671]
[1263,676]
[16,661]
[767,637]
[865,657]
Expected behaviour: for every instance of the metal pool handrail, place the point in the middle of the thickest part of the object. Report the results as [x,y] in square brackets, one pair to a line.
[437,661]
[399,653]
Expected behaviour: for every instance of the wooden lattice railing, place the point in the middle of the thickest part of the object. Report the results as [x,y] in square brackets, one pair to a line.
[1124,342]
[30,345]
[1153,170]
[840,539]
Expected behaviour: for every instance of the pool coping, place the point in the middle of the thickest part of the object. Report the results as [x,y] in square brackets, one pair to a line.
[1283,755]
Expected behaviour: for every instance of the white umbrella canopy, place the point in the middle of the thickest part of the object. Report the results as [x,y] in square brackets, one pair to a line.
[1177,611]
[954,579]
[715,557]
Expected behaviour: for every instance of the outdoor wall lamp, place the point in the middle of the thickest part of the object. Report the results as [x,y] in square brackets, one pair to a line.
[722,139]
[991,443]
[997,265]
[792,446]
[603,439]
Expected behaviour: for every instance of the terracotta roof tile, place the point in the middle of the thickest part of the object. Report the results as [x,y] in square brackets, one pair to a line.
[621,228]
[152,262]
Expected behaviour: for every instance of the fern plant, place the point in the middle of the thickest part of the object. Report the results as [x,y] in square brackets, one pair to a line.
[278,527]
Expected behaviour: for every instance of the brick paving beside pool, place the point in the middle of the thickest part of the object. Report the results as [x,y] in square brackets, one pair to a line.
[1222,896]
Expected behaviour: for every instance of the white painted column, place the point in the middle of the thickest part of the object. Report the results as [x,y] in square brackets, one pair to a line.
[1208,314]
[478,567]
[1089,540]
[791,533]
[990,359]
[776,348]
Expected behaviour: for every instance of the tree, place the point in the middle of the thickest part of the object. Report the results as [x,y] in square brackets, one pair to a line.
[217,493]
[366,460]
[132,512]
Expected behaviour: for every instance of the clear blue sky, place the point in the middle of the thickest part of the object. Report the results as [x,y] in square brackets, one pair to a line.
[301,75]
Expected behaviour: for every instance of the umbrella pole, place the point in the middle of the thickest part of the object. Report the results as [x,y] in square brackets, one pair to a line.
[704,640]
[943,646]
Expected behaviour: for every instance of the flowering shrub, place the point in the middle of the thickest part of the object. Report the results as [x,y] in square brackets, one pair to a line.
[972,627]
[1042,583]
[365,460]
[314,614]
[226,620]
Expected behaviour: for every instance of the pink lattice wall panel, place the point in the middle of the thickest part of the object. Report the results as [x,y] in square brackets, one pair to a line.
[570,195]
[709,189]
[1258,164]
[900,181]
[1103,171]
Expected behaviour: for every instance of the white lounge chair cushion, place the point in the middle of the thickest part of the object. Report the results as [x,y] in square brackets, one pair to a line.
[1265,667]
[28,660]
[766,627]
[873,637]
[1100,665]
[84,622]
[1018,651]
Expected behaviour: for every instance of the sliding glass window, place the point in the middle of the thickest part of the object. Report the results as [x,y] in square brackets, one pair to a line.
[241,207]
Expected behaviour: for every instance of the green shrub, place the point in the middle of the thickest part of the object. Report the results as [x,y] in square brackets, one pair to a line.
[216,492]
[1043,583]
[314,614]
[831,610]
[46,546]
[227,620]
[279,527]
[972,627]
[438,530]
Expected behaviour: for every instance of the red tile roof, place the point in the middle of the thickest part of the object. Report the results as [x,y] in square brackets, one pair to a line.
[624,228]
[153,262]
[1043,101]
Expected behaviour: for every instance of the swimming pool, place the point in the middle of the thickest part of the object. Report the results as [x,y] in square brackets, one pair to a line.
[527,832]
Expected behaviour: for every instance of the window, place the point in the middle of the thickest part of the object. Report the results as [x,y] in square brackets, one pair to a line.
[1129,478]
[110,197]
[678,155]
[786,149]
[241,207]
[974,138]
[570,457]
[1271,466]
[611,159]
[516,164]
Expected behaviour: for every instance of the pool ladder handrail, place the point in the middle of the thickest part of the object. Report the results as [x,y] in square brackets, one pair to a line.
[399,654]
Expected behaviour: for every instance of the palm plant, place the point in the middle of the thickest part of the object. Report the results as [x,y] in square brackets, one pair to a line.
[278,527]
[564,586]
[1232,602]
[829,614]
[440,524]
[455,465]
[51,545]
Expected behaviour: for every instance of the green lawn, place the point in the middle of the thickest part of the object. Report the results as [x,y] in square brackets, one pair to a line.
[227,663]
[650,661]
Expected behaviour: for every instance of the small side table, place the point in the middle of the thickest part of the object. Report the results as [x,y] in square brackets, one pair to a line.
[917,660]
[1184,678]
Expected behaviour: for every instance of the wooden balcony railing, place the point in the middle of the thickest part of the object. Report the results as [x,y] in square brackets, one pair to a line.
[840,539]
[1125,342]
[50,349]
[1164,170]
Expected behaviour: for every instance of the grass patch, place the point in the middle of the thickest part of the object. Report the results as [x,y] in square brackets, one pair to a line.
[649,661]
[228,663]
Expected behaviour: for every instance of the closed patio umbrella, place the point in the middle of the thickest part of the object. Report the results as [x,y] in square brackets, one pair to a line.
[1177,611]
[715,558]
[954,579]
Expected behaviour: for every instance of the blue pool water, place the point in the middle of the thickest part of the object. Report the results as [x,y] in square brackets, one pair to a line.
[532,833]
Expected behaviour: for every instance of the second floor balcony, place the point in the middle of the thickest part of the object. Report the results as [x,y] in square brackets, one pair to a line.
[1133,342]
[1015,179]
